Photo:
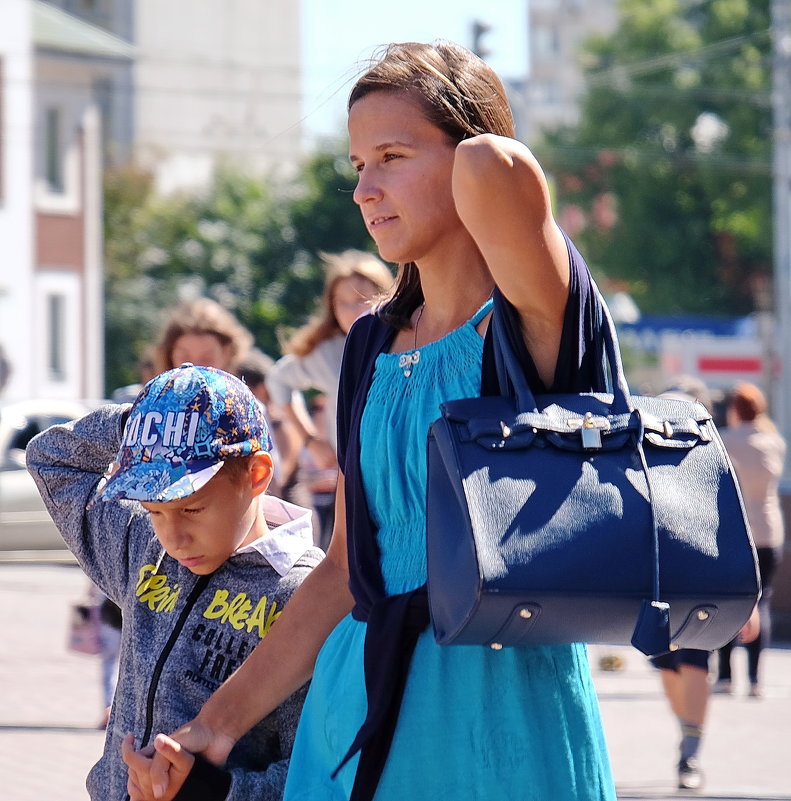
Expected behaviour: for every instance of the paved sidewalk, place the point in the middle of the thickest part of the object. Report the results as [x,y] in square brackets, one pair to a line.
[51,701]
[746,751]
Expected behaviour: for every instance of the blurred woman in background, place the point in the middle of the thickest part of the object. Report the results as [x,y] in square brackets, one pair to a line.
[757,451]
[204,333]
[312,361]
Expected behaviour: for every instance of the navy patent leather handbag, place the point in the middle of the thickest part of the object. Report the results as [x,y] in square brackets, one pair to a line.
[600,518]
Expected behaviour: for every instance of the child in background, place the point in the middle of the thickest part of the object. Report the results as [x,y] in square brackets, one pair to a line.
[320,475]
[146,371]
[253,370]
[201,561]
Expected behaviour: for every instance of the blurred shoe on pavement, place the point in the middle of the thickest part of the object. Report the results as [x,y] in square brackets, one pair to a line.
[690,776]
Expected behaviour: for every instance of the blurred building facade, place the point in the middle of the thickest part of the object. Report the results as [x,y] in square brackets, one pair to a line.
[175,87]
[215,80]
[50,198]
[556,81]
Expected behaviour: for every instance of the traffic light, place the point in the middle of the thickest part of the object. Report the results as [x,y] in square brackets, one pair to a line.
[478,30]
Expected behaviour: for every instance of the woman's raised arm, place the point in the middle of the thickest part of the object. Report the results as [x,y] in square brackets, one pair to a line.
[502,197]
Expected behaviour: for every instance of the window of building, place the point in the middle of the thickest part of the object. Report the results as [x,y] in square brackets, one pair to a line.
[53,143]
[103,92]
[545,41]
[78,6]
[56,331]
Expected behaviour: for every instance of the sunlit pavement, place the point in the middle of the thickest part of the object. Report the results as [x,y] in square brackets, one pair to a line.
[746,750]
[51,698]
[51,703]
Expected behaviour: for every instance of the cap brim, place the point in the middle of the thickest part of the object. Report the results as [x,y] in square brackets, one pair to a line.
[159,482]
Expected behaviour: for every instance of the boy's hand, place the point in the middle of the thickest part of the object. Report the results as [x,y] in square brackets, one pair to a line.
[156,774]
[199,740]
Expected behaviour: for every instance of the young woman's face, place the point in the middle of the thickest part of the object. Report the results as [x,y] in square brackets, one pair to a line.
[201,349]
[404,166]
[351,297]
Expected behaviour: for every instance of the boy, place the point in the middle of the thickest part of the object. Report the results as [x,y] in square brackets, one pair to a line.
[200,560]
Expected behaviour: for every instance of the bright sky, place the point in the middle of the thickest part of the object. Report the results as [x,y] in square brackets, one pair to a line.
[340,35]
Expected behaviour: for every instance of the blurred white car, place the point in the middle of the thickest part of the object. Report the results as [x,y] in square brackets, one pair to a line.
[25,524]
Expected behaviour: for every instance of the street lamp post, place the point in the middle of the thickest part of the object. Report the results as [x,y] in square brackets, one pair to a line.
[781,104]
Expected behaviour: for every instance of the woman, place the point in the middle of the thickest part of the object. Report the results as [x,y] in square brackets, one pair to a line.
[447,194]
[313,355]
[757,451]
[312,360]
[202,332]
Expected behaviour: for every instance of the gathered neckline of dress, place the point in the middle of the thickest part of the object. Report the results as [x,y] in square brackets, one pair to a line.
[471,322]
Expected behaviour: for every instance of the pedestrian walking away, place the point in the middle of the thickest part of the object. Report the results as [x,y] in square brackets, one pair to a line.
[757,451]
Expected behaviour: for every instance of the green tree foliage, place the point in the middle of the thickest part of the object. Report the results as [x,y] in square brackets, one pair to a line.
[322,210]
[245,242]
[131,313]
[666,181]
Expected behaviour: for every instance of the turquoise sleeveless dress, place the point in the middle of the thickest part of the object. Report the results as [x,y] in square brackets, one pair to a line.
[475,724]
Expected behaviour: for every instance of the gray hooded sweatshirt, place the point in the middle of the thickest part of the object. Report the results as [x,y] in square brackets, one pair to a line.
[183,634]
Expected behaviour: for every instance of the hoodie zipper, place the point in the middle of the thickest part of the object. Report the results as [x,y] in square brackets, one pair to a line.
[200,586]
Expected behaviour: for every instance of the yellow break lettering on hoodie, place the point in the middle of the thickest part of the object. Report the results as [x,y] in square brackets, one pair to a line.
[237,612]
[152,589]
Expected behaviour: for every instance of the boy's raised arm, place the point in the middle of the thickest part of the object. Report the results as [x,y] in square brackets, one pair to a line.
[67,463]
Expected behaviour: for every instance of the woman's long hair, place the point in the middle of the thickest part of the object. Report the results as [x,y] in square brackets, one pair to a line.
[324,325]
[460,94]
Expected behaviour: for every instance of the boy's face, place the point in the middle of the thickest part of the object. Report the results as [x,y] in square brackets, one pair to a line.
[202,530]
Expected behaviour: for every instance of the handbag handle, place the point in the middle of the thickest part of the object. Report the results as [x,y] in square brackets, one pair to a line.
[511,375]
[652,630]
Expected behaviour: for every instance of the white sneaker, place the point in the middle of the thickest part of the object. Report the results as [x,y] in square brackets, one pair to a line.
[722,687]
[690,776]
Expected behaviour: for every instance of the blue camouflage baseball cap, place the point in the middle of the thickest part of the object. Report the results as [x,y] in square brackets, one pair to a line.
[183,426]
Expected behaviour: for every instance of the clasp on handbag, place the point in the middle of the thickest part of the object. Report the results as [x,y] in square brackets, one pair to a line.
[590,429]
